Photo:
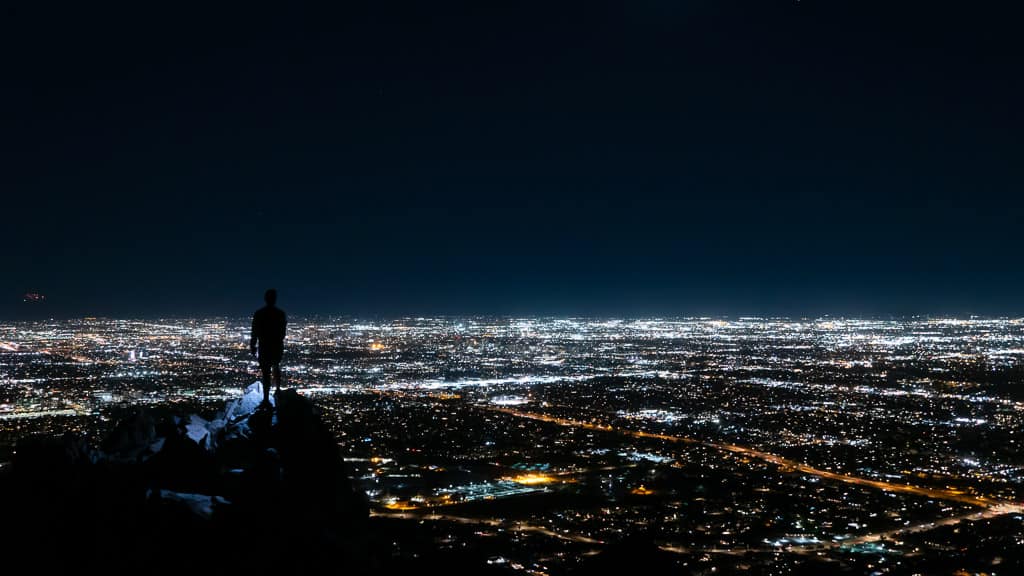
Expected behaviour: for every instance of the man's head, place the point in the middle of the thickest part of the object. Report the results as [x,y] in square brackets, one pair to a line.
[270,297]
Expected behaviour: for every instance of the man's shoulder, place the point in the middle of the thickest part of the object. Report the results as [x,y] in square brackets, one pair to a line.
[270,311]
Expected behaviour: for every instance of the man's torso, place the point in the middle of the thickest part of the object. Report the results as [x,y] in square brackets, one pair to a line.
[269,325]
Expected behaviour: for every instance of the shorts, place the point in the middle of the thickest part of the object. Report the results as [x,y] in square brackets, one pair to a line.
[270,357]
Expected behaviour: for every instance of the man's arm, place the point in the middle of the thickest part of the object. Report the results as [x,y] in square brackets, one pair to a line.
[253,338]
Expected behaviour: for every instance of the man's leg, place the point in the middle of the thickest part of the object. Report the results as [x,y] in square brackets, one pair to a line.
[277,377]
[265,370]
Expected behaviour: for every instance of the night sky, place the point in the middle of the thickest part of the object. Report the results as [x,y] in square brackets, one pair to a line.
[604,158]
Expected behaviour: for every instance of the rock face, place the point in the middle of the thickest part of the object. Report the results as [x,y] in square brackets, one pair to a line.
[255,490]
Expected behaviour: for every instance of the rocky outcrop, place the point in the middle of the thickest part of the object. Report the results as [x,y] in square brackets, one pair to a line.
[257,489]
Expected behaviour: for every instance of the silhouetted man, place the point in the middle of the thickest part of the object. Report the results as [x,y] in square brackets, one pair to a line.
[268,324]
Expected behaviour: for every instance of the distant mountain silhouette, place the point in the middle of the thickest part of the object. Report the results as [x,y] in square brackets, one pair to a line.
[250,492]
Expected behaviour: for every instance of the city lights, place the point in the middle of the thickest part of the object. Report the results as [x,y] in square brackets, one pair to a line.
[837,438]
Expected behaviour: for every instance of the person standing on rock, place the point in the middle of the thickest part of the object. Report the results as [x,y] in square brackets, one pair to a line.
[268,326]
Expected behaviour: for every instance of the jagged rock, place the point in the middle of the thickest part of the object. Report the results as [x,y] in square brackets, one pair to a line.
[246,405]
[198,430]
[253,489]
[131,439]
[199,504]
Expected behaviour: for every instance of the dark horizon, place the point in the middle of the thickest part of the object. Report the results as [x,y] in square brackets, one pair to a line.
[301,311]
[713,158]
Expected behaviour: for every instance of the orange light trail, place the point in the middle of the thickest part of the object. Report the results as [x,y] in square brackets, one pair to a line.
[936,493]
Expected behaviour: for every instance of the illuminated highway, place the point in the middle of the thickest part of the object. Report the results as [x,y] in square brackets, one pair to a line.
[889,535]
[992,512]
[503,524]
[937,493]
